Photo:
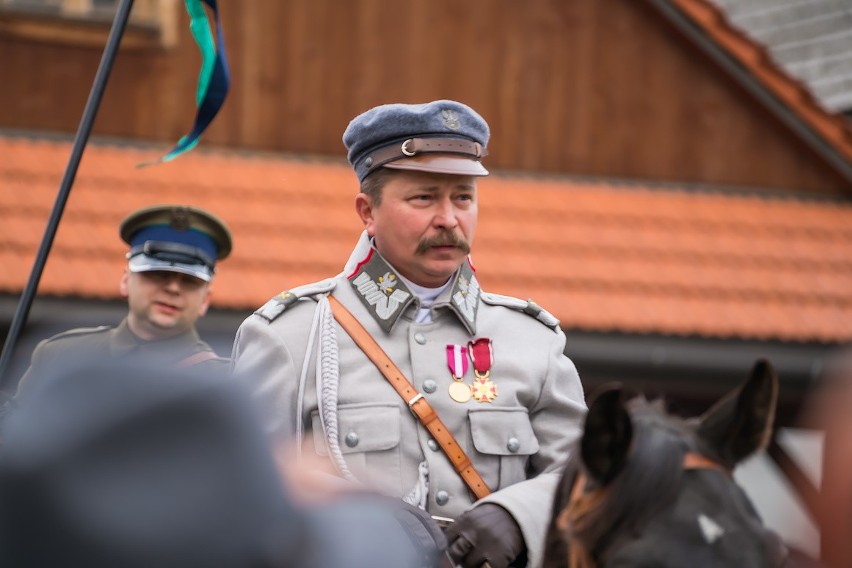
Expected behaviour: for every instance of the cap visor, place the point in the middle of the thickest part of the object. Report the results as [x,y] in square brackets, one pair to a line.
[440,164]
[142,263]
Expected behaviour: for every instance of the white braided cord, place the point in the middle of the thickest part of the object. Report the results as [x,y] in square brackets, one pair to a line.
[300,403]
[327,380]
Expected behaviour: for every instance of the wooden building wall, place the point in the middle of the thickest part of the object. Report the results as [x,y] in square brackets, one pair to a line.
[589,87]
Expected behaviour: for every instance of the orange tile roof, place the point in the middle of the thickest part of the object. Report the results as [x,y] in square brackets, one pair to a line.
[601,257]
[835,129]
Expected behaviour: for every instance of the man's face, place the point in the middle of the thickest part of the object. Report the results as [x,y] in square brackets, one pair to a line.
[424,223]
[163,304]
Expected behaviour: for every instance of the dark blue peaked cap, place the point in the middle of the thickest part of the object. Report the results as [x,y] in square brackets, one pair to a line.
[175,238]
[441,136]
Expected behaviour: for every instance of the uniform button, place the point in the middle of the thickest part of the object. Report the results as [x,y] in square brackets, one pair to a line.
[352,439]
[513,445]
[420,338]
[441,497]
[429,385]
[433,445]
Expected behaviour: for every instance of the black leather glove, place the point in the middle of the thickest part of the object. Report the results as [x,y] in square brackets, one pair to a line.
[485,535]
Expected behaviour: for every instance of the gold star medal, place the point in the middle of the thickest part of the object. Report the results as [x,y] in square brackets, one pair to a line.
[457,362]
[483,390]
[482,355]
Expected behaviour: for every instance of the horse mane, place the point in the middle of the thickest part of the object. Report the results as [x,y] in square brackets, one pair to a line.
[649,481]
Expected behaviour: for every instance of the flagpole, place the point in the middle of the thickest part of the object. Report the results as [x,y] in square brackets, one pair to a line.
[119,24]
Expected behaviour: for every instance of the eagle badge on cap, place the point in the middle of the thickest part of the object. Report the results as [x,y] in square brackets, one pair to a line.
[180,219]
[451,119]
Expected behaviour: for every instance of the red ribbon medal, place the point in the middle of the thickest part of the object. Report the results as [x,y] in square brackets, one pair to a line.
[457,362]
[482,356]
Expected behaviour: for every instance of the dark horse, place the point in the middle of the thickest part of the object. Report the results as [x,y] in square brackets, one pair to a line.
[649,489]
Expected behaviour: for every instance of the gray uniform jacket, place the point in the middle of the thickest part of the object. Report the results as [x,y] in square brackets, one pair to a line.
[518,442]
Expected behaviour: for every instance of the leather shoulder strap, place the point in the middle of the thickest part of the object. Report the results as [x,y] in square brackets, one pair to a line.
[196,358]
[416,402]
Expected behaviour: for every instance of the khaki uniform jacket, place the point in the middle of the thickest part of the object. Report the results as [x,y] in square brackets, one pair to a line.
[518,442]
[107,342]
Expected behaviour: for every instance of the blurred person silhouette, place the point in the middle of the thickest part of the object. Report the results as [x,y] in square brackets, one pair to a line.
[170,267]
[828,410]
[111,463]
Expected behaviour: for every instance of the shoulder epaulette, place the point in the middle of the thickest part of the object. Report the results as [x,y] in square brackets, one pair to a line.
[527,306]
[277,305]
[79,331]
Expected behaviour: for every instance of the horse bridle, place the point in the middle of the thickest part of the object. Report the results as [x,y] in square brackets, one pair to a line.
[579,502]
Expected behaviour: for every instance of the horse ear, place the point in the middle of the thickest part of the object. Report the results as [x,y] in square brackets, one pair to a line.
[741,422]
[606,436]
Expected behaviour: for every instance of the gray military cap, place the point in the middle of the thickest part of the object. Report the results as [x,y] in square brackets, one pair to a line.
[441,136]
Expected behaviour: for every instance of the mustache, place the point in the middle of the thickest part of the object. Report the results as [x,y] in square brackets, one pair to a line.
[444,239]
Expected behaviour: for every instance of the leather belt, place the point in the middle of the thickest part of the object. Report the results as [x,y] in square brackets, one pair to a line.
[415,400]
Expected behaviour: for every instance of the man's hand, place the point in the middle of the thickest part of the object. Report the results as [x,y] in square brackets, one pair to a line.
[486,535]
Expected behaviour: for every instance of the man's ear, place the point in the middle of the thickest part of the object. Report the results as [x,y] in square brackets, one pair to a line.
[364,207]
[205,303]
[123,285]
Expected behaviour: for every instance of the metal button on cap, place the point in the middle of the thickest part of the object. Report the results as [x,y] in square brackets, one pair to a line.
[420,338]
[352,439]
[441,497]
[513,445]
[430,386]
[433,445]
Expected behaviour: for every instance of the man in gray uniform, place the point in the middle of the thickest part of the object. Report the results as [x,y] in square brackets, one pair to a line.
[171,263]
[492,367]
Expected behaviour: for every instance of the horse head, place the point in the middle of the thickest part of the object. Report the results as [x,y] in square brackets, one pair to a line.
[647,488]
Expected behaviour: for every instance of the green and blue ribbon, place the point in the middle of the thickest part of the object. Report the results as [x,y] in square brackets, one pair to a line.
[213,80]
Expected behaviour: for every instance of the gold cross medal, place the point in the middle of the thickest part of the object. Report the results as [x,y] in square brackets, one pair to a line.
[482,355]
[457,362]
